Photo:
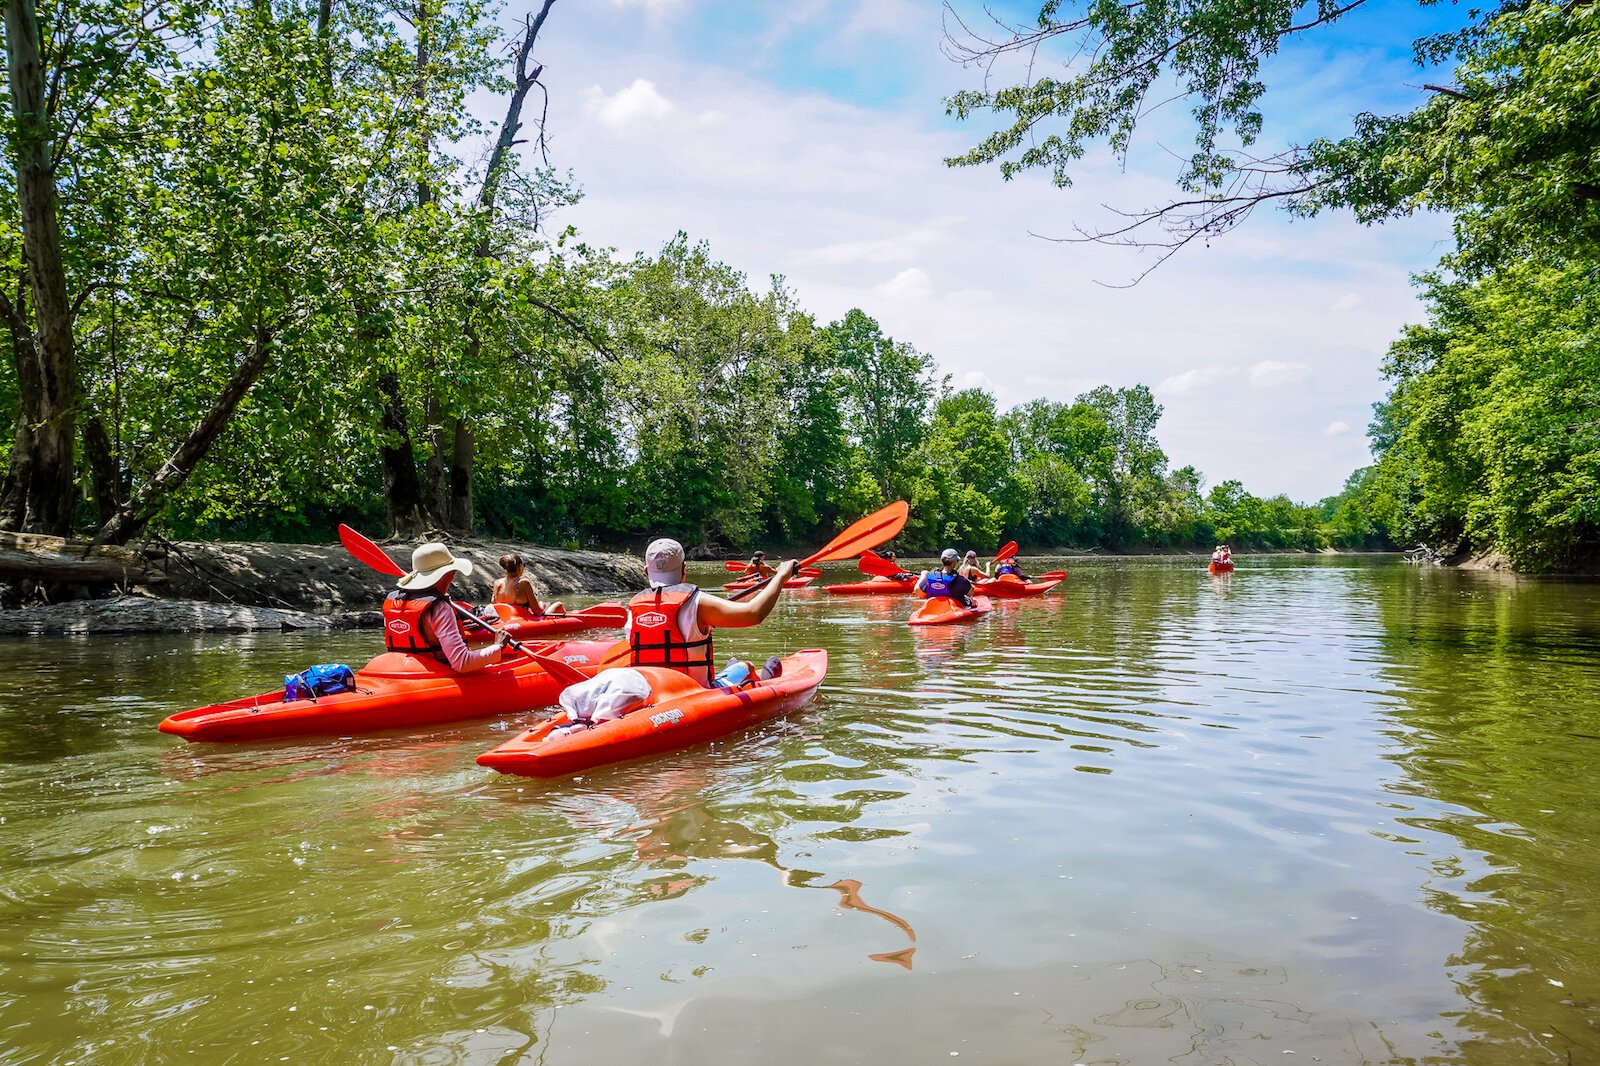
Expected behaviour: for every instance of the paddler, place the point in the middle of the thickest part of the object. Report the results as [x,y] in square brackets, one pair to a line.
[670,624]
[971,570]
[1010,567]
[901,578]
[1222,554]
[947,581]
[418,618]
[757,567]
[514,587]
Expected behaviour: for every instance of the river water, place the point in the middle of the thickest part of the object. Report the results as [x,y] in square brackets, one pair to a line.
[1332,810]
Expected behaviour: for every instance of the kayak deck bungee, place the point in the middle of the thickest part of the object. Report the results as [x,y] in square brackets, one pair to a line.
[885,587]
[393,691]
[680,713]
[942,610]
[1011,587]
[523,624]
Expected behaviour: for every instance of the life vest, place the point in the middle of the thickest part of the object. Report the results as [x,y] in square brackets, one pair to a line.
[1008,567]
[939,583]
[403,628]
[654,638]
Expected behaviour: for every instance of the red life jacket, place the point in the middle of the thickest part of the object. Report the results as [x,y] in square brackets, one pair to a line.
[655,639]
[403,628]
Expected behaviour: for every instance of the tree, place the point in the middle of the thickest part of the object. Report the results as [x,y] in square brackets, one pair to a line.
[1507,147]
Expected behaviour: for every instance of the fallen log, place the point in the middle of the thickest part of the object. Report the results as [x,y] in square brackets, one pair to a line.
[56,560]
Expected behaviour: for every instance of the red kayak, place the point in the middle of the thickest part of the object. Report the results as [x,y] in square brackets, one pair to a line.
[881,587]
[942,610]
[524,624]
[679,713]
[1009,586]
[792,583]
[393,691]
[1220,568]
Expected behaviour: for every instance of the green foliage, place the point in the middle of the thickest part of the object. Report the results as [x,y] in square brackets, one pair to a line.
[1495,417]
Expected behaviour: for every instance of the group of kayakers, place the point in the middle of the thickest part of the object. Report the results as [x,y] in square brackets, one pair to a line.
[669,624]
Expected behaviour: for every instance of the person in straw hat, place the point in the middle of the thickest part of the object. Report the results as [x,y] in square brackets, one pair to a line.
[418,618]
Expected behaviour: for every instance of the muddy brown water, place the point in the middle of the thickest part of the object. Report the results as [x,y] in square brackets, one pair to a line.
[1327,810]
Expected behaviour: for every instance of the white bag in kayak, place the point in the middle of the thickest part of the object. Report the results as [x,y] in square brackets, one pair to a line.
[607,695]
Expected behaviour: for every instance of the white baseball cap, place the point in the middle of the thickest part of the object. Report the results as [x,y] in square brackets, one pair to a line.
[663,561]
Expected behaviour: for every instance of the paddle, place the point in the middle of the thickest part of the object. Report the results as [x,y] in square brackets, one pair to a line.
[877,566]
[1007,550]
[375,557]
[869,532]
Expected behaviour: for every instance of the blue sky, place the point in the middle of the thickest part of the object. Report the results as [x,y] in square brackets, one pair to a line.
[805,139]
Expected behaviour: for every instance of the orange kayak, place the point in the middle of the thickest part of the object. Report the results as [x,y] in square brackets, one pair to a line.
[1219,568]
[942,610]
[524,624]
[1010,586]
[792,583]
[679,713]
[885,587]
[393,691]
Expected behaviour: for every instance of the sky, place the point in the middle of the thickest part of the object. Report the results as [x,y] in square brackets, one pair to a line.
[806,138]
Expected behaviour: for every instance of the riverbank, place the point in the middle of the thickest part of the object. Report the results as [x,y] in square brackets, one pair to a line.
[61,587]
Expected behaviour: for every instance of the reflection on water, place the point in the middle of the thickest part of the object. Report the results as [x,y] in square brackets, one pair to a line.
[1336,807]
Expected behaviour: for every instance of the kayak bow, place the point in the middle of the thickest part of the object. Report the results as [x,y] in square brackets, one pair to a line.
[942,610]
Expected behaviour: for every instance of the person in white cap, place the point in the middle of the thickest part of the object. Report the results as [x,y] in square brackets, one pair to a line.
[946,581]
[670,624]
[419,620]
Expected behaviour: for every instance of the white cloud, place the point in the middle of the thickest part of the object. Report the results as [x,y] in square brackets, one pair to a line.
[1269,373]
[1199,378]
[910,284]
[1348,302]
[1336,429]
[903,247]
[636,105]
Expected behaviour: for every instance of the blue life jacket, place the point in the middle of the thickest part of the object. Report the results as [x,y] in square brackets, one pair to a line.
[1008,567]
[939,583]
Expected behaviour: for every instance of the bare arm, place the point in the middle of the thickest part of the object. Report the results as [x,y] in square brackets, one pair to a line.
[736,614]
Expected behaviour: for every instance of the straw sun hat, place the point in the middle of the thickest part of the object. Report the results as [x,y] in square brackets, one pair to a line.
[429,563]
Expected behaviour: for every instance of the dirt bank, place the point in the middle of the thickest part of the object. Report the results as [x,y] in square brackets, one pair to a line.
[194,586]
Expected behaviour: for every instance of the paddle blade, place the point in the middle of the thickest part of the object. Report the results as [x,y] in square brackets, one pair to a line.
[368,552]
[733,566]
[1006,551]
[556,668]
[877,566]
[869,532]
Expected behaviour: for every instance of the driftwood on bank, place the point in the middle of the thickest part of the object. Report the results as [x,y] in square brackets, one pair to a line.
[29,556]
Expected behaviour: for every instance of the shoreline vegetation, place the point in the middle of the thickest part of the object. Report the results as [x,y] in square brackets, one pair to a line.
[400,334]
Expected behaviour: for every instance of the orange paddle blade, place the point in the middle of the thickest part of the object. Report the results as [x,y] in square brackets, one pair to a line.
[368,552]
[1006,551]
[869,532]
[877,566]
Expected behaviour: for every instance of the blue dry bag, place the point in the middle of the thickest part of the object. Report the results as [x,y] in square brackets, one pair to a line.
[323,679]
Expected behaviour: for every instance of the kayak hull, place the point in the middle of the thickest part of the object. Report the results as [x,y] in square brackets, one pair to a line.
[393,691]
[943,611]
[871,588]
[1220,568]
[680,714]
[1013,588]
[525,625]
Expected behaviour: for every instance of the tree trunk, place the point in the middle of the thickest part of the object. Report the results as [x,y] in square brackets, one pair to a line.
[435,498]
[19,472]
[133,515]
[399,458]
[461,478]
[49,491]
[104,477]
